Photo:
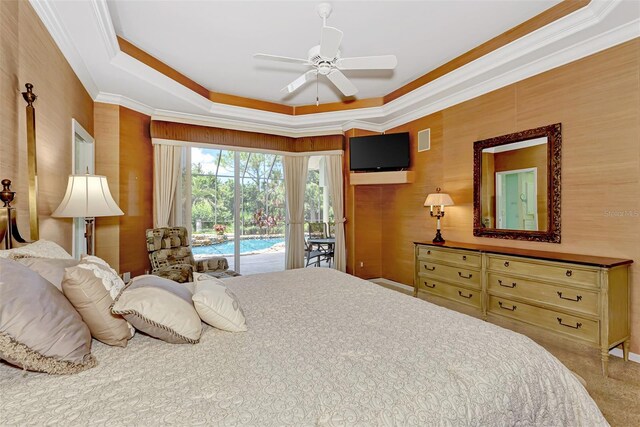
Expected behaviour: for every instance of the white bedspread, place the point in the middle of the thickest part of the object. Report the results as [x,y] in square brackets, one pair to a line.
[323,348]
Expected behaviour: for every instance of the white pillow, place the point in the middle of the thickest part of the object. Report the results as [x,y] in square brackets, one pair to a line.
[161,308]
[218,306]
[38,249]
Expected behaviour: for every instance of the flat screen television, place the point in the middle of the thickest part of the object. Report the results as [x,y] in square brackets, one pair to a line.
[379,152]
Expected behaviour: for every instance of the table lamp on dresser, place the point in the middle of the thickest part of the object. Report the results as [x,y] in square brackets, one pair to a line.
[439,201]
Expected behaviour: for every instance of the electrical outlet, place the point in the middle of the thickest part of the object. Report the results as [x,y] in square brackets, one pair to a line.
[361,264]
[126,276]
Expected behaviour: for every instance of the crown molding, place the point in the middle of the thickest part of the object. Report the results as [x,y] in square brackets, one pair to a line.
[202,120]
[593,28]
[107,30]
[49,17]
[123,101]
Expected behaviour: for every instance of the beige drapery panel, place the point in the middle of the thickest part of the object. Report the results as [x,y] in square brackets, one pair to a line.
[333,172]
[166,171]
[295,182]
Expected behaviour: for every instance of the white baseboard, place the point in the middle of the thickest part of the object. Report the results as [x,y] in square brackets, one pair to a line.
[634,357]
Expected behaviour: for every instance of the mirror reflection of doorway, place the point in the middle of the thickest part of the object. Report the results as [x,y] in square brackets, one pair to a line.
[517,199]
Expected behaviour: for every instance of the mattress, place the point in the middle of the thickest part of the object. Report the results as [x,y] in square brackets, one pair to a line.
[323,348]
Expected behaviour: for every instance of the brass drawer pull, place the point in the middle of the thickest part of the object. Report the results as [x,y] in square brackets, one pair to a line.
[512,285]
[427,285]
[513,307]
[506,263]
[429,269]
[463,295]
[577,298]
[464,257]
[569,273]
[578,324]
[465,277]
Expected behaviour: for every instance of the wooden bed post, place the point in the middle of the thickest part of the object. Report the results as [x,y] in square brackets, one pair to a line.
[32,167]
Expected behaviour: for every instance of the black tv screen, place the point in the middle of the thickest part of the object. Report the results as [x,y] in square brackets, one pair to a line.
[379,152]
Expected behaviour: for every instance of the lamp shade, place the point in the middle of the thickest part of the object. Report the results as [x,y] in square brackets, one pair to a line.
[87,196]
[438,199]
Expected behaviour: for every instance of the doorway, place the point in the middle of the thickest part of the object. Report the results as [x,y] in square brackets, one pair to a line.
[517,199]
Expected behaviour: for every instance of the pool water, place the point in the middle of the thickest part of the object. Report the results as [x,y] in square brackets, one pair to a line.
[246,246]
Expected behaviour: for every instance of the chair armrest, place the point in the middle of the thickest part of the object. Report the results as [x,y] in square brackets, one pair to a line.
[180,273]
[211,263]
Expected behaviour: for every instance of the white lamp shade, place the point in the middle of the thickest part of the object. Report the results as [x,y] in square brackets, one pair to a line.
[87,196]
[438,199]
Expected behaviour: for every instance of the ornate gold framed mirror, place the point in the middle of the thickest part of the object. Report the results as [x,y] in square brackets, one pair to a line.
[516,185]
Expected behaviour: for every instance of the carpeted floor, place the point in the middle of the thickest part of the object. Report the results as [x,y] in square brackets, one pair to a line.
[618,395]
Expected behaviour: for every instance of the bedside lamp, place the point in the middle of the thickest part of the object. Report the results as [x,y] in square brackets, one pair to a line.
[87,197]
[439,200]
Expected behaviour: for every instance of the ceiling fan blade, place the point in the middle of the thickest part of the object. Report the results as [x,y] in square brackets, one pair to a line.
[382,62]
[281,58]
[330,39]
[342,83]
[297,83]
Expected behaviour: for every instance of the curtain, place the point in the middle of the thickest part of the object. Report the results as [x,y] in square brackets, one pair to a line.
[333,173]
[166,171]
[295,184]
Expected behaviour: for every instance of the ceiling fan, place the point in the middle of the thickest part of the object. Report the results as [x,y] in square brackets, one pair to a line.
[324,59]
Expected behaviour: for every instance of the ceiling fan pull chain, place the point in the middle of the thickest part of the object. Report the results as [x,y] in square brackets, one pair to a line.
[317,95]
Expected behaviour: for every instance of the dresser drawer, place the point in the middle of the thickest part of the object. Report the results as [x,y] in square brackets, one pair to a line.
[560,296]
[462,295]
[547,270]
[462,275]
[562,323]
[455,256]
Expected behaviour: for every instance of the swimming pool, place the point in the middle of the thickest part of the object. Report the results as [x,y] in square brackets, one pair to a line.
[246,246]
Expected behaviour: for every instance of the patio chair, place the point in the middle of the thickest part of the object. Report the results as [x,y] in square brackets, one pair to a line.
[318,230]
[171,257]
[312,256]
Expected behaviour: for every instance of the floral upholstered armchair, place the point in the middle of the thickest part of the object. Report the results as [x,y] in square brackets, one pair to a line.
[171,257]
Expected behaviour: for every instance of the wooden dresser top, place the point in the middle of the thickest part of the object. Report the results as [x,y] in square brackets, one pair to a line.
[550,256]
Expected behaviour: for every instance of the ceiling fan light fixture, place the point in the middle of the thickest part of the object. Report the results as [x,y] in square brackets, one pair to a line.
[324,68]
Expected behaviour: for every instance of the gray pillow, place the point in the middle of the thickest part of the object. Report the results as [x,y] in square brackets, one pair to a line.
[161,308]
[39,328]
[49,268]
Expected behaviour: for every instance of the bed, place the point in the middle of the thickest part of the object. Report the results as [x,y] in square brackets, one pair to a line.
[323,348]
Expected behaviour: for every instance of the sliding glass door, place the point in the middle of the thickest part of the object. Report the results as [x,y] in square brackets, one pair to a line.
[237,208]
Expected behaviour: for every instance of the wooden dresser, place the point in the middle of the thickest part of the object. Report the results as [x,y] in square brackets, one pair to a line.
[578,297]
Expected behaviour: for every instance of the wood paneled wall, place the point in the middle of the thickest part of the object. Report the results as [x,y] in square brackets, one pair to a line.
[136,190]
[597,100]
[124,153]
[29,54]
[237,138]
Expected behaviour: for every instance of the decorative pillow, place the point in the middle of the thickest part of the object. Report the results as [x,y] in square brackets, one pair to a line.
[218,306]
[37,249]
[39,329]
[50,269]
[101,269]
[86,292]
[161,308]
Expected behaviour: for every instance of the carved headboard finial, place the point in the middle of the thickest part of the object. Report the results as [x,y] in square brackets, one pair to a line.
[29,96]
[6,195]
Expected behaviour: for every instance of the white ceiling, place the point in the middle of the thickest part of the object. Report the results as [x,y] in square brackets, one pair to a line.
[86,34]
[212,42]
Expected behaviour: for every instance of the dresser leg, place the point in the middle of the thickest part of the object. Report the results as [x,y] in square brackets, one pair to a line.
[604,356]
[415,291]
[625,350]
